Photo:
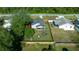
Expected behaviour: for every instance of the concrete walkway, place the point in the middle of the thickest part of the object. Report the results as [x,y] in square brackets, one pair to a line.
[39,42]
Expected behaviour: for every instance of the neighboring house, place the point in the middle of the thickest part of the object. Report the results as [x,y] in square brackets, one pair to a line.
[59,17]
[54,17]
[63,23]
[77,25]
[37,24]
[7,24]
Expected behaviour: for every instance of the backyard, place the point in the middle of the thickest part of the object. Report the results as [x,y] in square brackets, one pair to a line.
[60,35]
[36,47]
[63,39]
[68,46]
[41,35]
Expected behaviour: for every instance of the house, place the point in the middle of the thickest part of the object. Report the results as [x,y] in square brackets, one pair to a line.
[77,25]
[54,17]
[63,23]
[7,24]
[37,24]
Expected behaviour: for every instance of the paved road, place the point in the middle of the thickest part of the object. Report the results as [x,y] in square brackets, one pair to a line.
[53,14]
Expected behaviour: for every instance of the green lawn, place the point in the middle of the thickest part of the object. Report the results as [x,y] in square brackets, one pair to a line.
[60,35]
[70,47]
[29,32]
[34,47]
[57,47]
[41,35]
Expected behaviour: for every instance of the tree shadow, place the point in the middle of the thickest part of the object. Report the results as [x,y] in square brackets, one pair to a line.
[17,45]
[50,48]
[64,49]
[16,42]
[44,49]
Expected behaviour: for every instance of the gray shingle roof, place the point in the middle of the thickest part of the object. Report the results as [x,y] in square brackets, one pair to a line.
[77,24]
[38,20]
[61,21]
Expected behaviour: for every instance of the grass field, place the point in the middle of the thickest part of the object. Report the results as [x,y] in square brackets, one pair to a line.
[55,47]
[59,35]
[35,47]
[65,36]
[69,46]
[41,35]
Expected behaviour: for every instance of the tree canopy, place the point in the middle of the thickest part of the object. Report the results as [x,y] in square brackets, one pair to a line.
[5,40]
[50,10]
[19,22]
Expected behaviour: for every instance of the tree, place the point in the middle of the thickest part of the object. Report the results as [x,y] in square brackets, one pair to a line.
[55,10]
[5,40]
[19,23]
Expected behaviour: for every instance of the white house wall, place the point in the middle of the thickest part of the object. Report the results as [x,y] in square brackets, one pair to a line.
[7,24]
[67,26]
[50,21]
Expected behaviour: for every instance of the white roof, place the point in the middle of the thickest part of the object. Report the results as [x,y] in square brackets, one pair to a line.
[7,21]
[50,21]
[41,16]
[7,24]
[37,25]
[40,27]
